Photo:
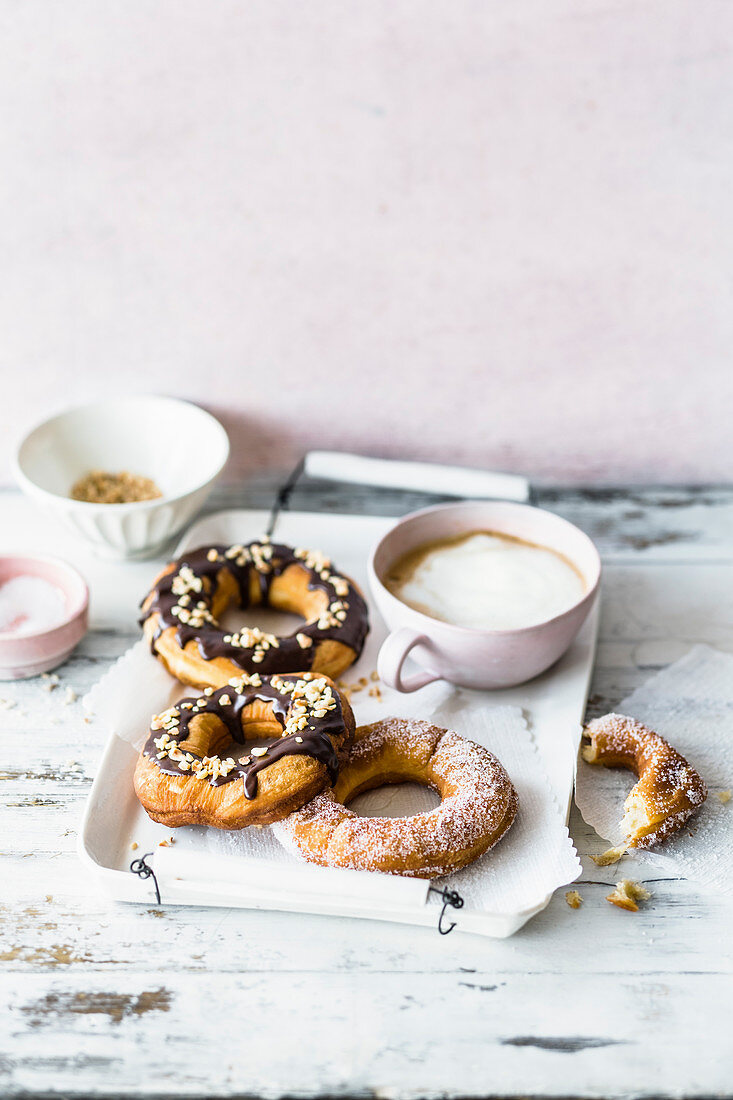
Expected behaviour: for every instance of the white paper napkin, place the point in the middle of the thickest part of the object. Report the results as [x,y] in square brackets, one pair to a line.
[135,687]
[691,705]
[534,858]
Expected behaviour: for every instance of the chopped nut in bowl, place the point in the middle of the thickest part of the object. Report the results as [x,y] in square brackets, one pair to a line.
[99,487]
[123,473]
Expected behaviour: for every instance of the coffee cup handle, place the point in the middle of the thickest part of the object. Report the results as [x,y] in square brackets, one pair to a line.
[392,656]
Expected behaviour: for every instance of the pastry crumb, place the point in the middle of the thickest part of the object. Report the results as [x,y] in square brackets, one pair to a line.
[613,855]
[70,696]
[627,893]
[573,898]
[134,845]
[723,796]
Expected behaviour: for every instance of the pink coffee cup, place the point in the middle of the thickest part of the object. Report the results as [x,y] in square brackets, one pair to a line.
[465,656]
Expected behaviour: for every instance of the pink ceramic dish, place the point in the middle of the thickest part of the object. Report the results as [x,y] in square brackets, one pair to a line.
[25,654]
[469,657]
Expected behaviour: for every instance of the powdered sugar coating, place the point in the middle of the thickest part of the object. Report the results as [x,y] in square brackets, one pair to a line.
[669,789]
[478,804]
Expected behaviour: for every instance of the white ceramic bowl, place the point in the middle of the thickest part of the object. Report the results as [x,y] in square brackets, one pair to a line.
[469,657]
[181,447]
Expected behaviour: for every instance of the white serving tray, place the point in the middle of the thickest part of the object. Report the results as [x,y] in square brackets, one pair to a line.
[553,704]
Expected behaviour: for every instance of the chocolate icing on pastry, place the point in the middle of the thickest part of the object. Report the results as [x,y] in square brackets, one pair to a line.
[182,598]
[308,710]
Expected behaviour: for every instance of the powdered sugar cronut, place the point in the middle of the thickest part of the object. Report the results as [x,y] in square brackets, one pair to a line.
[478,804]
[669,789]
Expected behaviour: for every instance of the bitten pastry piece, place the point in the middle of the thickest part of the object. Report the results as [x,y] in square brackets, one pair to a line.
[669,790]
[181,613]
[190,773]
[478,804]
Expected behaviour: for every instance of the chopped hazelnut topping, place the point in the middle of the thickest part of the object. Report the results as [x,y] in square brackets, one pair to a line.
[100,487]
[311,698]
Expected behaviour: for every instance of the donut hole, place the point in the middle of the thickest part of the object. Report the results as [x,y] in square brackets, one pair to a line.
[290,604]
[266,618]
[394,798]
[208,735]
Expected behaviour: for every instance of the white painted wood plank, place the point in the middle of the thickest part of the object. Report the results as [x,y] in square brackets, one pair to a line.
[635,524]
[277,1035]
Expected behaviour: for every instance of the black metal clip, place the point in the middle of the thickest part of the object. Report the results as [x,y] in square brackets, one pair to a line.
[283,495]
[141,868]
[450,897]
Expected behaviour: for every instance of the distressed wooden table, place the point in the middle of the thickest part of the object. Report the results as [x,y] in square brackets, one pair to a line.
[105,999]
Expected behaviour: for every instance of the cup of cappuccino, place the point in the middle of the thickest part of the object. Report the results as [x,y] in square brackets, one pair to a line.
[485,594]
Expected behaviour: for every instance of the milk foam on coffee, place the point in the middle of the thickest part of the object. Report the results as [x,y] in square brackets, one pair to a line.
[486,581]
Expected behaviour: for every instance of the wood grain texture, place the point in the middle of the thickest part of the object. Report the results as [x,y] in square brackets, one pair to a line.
[104,999]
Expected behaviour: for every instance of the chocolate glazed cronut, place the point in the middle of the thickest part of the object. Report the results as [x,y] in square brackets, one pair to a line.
[184,775]
[180,615]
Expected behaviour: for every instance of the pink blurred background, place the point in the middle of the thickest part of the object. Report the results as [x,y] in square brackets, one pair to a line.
[493,233]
